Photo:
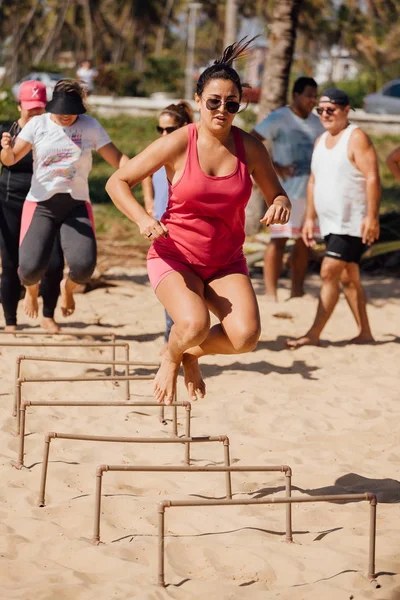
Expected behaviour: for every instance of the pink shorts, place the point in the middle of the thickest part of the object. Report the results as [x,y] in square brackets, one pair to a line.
[158,268]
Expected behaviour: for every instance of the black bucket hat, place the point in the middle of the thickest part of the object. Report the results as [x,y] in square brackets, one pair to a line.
[66,103]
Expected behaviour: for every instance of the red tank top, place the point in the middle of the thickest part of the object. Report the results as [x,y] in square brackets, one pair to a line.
[205,216]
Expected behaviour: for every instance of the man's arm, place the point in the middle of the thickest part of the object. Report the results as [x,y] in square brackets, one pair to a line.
[311,214]
[283,171]
[393,162]
[362,154]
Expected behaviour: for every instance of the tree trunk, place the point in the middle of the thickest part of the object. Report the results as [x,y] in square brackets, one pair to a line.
[53,34]
[88,29]
[230,22]
[281,44]
[169,4]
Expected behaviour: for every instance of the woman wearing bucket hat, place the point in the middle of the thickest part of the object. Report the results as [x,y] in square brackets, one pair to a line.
[15,182]
[62,141]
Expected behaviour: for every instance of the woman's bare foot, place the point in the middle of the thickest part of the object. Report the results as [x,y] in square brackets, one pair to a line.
[193,380]
[31,306]
[165,381]
[363,338]
[10,328]
[49,325]
[67,297]
[306,340]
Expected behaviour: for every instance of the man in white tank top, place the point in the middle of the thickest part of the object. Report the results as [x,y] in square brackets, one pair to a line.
[344,194]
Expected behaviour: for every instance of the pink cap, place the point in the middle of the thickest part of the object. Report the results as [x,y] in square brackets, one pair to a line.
[32,94]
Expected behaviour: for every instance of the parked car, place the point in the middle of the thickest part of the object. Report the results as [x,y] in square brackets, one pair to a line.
[49,80]
[385,101]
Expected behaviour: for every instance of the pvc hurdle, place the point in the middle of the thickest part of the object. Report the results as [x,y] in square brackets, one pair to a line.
[130,440]
[45,334]
[19,463]
[101,469]
[371,498]
[113,364]
[113,346]
[29,332]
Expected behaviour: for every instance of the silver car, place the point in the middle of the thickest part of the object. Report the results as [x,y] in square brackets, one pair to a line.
[49,80]
[385,101]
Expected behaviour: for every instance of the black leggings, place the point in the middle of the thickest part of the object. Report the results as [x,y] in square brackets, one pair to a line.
[10,285]
[41,222]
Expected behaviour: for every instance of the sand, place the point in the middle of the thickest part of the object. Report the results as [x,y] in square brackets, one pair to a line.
[332,413]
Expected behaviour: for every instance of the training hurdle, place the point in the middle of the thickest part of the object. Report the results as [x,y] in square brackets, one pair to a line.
[112,345]
[28,333]
[130,440]
[19,463]
[127,363]
[101,469]
[371,498]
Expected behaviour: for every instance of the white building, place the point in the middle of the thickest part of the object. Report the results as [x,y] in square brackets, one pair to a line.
[336,65]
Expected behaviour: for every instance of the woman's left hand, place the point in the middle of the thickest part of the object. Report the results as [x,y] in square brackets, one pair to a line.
[152,229]
[278,212]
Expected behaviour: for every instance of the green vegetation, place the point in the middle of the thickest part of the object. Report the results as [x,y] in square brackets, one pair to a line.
[131,135]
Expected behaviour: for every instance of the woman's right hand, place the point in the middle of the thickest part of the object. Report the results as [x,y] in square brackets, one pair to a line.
[6,141]
[151,229]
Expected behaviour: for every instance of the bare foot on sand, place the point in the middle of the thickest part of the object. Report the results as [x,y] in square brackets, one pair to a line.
[193,380]
[67,297]
[31,306]
[10,328]
[363,338]
[306,340]
[165,381]
[49,325]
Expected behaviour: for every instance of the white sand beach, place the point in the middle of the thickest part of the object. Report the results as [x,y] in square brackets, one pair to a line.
[330,412]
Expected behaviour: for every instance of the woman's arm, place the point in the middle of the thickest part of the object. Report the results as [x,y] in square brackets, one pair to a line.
[12,154]
[162,152]
[113,156]
[260,167]
[148,195]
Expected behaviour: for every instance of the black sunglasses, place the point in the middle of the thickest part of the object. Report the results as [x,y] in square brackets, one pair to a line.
[231,106]
[329,111]
[167,129]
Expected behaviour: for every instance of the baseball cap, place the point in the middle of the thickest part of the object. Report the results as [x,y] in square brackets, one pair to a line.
[335,96]
[32,94]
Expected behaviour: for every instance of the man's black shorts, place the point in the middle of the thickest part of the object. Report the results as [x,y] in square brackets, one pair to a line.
[344,247]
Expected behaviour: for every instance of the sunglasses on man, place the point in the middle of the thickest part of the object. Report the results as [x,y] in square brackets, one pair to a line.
[231,106]
[329,110]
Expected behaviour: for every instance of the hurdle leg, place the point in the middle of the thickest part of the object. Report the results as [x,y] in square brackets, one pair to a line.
[288,488]
[175,416]
[127,383]
[97,507]
[161,535]
[19,463]
[17,376]
[162,415]
[113,354]
[42,491]
[18,395]
[227,460]
[372,540]
[187,433]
